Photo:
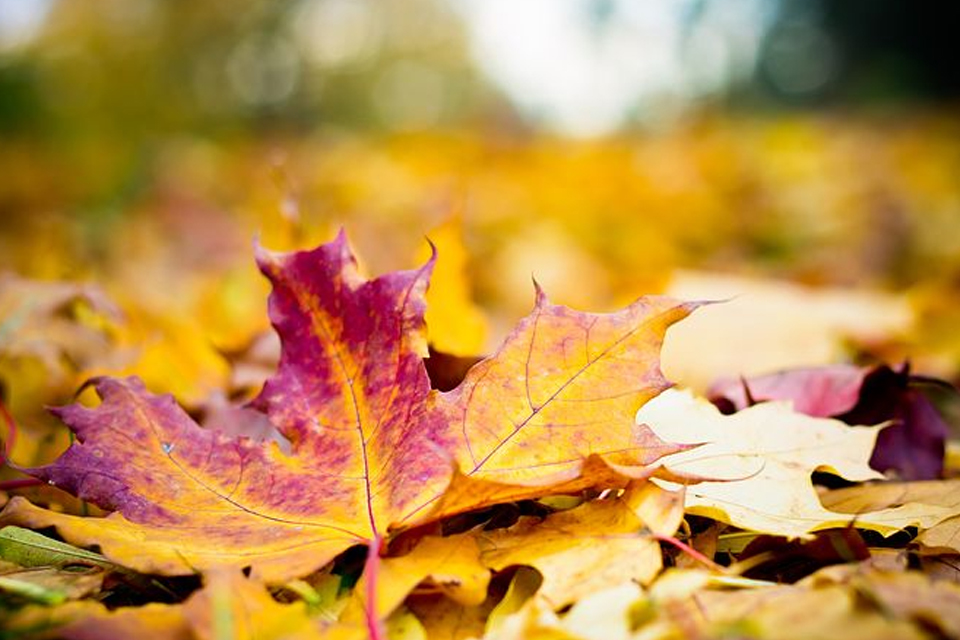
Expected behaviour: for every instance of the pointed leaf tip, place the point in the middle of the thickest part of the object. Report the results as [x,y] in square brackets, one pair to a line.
[540,299]
[342,243]
[426,269]
[433,249]
[265,257]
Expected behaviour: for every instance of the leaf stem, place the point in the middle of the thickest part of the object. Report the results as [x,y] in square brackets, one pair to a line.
[690,551]
[19,483]
[371,568]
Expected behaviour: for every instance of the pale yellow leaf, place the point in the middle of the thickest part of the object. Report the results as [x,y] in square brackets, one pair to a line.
[767,325]
[933,506]
[452,565]
[589,548]
[763,456]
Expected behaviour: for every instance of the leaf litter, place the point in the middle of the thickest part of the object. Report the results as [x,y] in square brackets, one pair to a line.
[526,499]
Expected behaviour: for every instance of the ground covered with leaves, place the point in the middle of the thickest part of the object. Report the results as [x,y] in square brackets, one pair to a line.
[356,481]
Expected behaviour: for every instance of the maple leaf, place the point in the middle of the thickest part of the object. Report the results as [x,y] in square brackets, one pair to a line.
[373,448]
[604,615]
[232,606]
[51,335]
[823,392]
[590,547]
[449,564]
[933,506]
[577,551]
[445,619]
[762,458]
[42,320]
[943,536]
[913,445]
[767,325]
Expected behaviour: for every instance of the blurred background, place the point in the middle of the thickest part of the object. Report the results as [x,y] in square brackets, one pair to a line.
[802,156]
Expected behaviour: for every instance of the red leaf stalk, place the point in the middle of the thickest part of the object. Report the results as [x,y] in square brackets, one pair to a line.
[690,551]
[370,570]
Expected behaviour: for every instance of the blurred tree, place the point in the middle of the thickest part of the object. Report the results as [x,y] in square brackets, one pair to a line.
[861,51]
[105,85]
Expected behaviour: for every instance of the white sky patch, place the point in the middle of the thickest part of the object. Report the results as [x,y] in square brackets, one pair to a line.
[586,78]
[20,21]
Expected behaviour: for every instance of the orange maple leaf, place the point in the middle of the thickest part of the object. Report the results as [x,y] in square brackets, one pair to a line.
[373,448]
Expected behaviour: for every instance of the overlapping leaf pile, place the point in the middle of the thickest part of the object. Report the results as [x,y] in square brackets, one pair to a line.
[531,500]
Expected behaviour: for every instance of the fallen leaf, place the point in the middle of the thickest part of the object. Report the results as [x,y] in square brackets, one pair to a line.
[941,567]
[232,606]
[695,604]
[51,335]
[768,325]
[942,537]
[822,392]
[886,495]
[228,606]
[451,565]
[890,506]
[906,595]
[796,613]
[519,614]
[763,457]
[605,614]
[914,596]
[588,548]
[31,549]
[544,410]
[401,625]
[444,619]
[602,615]
[46,321]
[913,446]
[176,494]
[50,585]
[91,620]
[372,447]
